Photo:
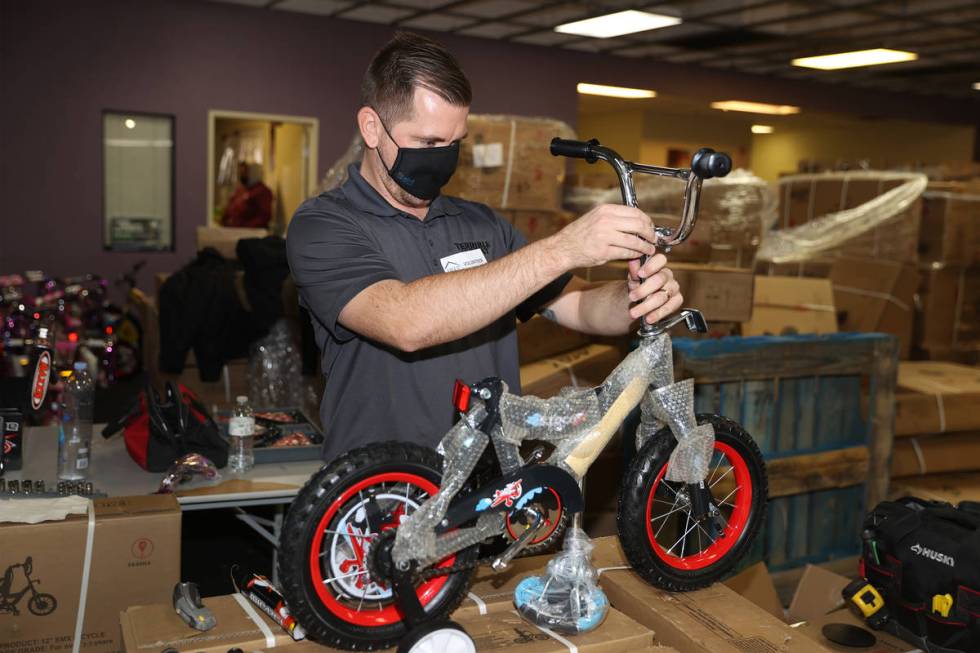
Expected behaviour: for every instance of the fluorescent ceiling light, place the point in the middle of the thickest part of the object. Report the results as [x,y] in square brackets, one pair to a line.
[130,123]
[976,86]
[622,22]
[762,129]
[855,59]
[614,91]
[756,107]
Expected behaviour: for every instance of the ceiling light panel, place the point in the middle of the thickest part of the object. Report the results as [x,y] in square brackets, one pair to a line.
[618,24]
[762,129]
[855,59]
[586,88]
[755,107]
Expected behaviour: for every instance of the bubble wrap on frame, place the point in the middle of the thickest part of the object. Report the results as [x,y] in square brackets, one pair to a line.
[461,447]
[567,594]
[832,230]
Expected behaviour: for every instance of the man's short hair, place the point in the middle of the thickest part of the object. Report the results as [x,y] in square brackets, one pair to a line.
[407,62]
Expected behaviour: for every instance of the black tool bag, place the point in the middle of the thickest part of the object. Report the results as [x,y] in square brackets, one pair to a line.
[924,559]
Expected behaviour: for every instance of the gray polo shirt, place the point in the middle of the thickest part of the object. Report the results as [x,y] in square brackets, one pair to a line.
[347,239]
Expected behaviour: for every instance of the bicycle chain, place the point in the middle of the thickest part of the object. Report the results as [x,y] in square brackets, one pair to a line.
[436,572]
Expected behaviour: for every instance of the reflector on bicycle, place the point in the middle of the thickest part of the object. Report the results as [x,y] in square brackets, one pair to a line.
[461,396]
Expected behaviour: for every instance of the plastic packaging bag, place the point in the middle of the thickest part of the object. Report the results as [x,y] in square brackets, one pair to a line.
[567,598]
[275,370]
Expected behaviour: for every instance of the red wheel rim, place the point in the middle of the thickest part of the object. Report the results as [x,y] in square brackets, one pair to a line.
[370,615]
[553,525]
[741,500]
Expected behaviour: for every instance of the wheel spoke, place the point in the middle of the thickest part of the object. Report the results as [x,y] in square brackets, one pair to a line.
[723,501]
[681,538]
[665,521]
[666,514]
[715,470]
[720,477]
[343,576]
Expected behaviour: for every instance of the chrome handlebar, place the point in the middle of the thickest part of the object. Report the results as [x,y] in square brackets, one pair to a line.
[705,164]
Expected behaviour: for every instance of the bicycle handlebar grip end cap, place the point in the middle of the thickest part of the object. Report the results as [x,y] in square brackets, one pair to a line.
[574,149]
[706,163]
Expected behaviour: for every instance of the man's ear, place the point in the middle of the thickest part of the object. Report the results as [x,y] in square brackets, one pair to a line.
[370,126]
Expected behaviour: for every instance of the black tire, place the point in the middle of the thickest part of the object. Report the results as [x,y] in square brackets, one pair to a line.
[633,516]
[302,524]
[42,604]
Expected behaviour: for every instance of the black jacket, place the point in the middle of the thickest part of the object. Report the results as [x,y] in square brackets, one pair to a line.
[199,310]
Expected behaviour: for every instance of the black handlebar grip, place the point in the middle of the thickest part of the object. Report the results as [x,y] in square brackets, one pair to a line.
[574,149]
[706,163]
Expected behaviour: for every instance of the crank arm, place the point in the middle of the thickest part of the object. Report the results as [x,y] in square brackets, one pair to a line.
[500,562]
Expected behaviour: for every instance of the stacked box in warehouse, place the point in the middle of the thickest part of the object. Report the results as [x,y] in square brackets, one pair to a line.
[947,323]
[821,410]
[843,214]
[937,425]
[505,162]
[950,232]
[876,296]
[733,213]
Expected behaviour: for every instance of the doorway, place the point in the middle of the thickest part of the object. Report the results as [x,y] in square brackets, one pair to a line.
[249,151]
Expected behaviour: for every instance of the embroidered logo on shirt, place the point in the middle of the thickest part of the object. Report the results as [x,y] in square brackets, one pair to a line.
[473,244]
[462,260]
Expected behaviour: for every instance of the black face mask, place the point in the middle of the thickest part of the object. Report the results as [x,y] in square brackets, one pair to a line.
[422,171]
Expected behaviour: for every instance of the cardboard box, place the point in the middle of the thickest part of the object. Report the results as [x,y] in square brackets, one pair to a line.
[936,397]
[950,229]
[949,298]
[540,337]
[135,559]
[507,631]
[722,294]
[755,584]
[876,296]
[934,454]
[790,305]
[817,602]
[225,239]
[951,488]
[505,162]
[536,225]
[584,368]
[157,627]
[712,620]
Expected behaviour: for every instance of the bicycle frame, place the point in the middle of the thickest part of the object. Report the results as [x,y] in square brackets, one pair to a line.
[580,424]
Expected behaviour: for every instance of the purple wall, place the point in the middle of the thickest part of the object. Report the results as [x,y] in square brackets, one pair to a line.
[64,62]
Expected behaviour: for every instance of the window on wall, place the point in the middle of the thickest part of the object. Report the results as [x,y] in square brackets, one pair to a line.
[138,171]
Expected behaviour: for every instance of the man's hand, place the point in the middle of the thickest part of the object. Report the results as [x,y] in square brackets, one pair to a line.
[608,232]
[653,288]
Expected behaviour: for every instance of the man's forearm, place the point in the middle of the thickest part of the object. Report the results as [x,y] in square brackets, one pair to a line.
[604,309]
[441,308]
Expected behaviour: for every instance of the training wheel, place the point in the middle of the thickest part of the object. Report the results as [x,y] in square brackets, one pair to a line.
[440,637]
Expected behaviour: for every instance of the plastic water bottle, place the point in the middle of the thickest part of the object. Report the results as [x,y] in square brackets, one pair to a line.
[75,425]
[241,428]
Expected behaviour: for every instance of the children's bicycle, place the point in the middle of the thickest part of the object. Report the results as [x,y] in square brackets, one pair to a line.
[380,544]
[40,604]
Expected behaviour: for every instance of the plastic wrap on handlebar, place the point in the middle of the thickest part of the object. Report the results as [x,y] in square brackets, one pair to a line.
[574,149]
[706,163]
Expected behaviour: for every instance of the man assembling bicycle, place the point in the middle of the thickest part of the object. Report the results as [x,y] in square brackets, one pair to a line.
[410,289]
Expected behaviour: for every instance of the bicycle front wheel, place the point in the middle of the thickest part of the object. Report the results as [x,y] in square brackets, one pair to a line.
[661,537]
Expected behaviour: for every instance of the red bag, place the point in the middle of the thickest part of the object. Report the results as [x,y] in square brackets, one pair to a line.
[159,431]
